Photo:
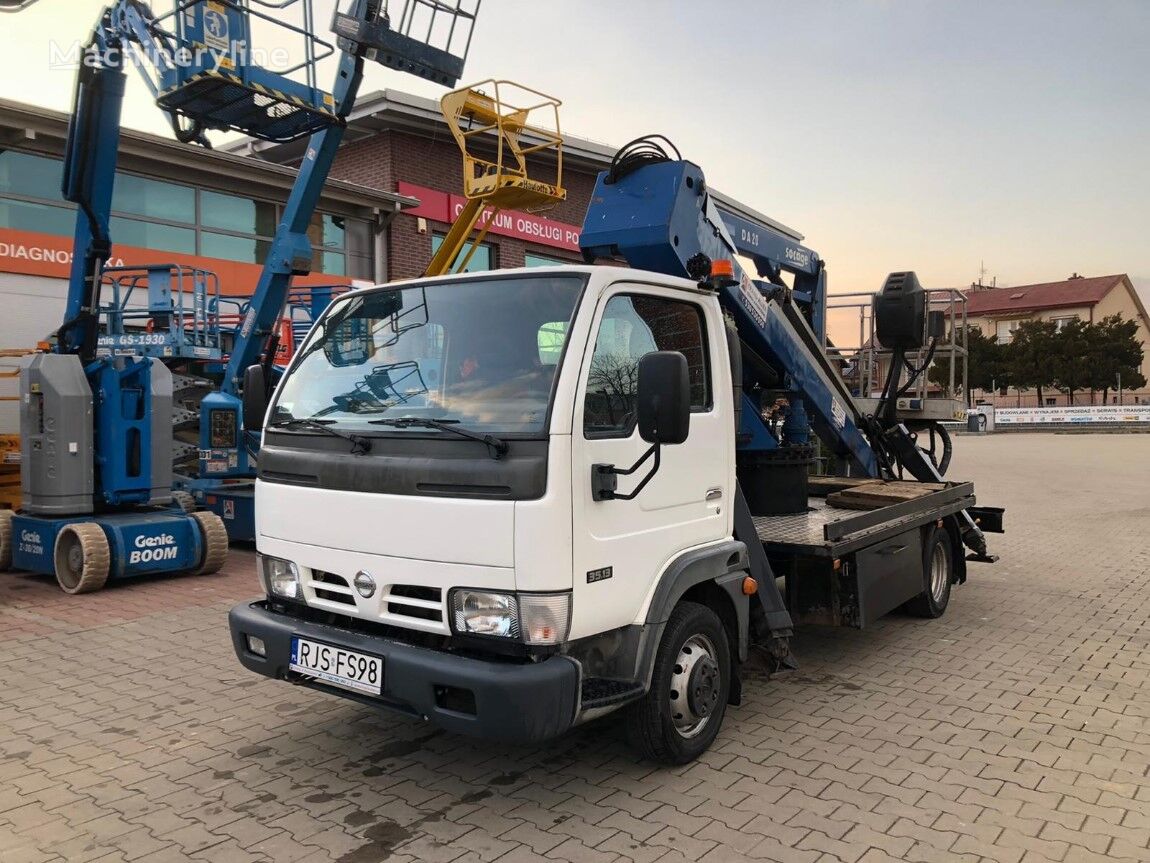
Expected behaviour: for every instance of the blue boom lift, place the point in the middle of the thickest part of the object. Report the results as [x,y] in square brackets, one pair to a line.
[96,424]
[656,211]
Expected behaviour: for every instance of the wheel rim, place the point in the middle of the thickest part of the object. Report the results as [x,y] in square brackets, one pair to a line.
[70,564]
[696,681]
[939,572]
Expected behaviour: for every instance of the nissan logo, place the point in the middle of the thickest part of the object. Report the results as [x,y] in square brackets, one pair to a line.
[364,583]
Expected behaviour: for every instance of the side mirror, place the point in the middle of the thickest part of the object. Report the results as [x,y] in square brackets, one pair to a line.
[255,399]
[664,398]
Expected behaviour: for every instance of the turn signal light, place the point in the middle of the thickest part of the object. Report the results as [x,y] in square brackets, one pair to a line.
[750,586]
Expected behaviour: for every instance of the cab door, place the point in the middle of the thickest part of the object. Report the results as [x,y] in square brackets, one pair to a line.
[620,546]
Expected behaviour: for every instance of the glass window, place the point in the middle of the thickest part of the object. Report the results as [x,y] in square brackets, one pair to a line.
[334,232]
[333,263]
[464,353]
[248,250]
[145,197]
[631,327]
[1004,331]
[232,213]
[532,260]
[31,175]
[42,218]
[360,250]
[150,235]
[479,262]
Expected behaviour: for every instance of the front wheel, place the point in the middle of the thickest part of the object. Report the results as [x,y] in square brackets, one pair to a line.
[938,573]
[680,715]
[82,557]
[215,538]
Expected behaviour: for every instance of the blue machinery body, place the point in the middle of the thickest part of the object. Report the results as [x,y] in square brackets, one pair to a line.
[659,215]
[197,61]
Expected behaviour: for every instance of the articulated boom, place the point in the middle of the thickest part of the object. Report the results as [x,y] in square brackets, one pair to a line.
[661,217]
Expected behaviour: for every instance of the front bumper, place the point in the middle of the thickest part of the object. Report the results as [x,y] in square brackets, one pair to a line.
[514,702]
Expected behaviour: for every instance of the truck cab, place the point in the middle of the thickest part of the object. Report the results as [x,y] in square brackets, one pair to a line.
[506,503]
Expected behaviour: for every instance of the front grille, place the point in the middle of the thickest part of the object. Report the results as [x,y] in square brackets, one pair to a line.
[332,587]
[415,601]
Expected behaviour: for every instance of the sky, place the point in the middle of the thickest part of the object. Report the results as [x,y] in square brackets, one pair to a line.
[943,137]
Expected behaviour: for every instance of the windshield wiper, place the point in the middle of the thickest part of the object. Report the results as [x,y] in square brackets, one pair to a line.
[496,447]
[360,445]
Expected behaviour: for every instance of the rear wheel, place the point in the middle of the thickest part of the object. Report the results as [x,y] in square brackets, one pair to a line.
[680,715]
[5,540]
[215,537]
[82,557]
[938,573]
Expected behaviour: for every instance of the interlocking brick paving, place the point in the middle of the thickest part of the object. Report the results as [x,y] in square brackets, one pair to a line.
[1017,728]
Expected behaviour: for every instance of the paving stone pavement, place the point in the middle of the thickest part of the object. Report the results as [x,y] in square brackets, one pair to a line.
[1017,728]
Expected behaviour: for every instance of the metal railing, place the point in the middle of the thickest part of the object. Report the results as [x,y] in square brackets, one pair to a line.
[866,364]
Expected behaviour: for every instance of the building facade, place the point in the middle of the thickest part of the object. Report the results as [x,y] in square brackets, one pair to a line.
[997,312]
[400,143]
[173,203]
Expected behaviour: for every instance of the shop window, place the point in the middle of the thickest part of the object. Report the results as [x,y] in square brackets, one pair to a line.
[142,196]
[30,175]
[479,262]
[631,327]
[152,235]
[233,213]
[41,218]
[531,260]
[248,250]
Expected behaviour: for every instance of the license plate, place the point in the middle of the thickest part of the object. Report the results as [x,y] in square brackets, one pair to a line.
[339,667]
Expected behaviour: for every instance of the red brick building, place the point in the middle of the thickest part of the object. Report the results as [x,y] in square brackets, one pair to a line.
[397,142]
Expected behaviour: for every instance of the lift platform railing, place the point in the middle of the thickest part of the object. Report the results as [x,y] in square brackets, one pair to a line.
[865,364]
[512,159]
[169,311]
[203,63]
[427,38]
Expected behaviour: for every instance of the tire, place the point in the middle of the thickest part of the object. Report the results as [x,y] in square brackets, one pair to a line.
[81,557]
[5,540]
[693,651]
[937,574]
[215,537]
[184,501]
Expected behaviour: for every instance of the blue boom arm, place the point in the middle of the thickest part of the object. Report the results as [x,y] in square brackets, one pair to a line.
[774,253]
[660,216]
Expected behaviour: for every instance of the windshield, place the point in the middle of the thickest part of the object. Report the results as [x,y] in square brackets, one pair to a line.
[481,353]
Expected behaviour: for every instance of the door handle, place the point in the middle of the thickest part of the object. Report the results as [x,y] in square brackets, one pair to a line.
[713,494]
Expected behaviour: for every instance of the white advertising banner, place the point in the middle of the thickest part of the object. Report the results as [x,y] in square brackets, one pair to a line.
[1076,414]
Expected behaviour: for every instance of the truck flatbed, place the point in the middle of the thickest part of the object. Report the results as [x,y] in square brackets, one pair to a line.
[831,531]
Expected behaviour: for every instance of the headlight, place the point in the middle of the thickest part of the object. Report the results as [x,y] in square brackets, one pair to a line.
[280,577]
[545,618]
[478,612]
[534,618]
